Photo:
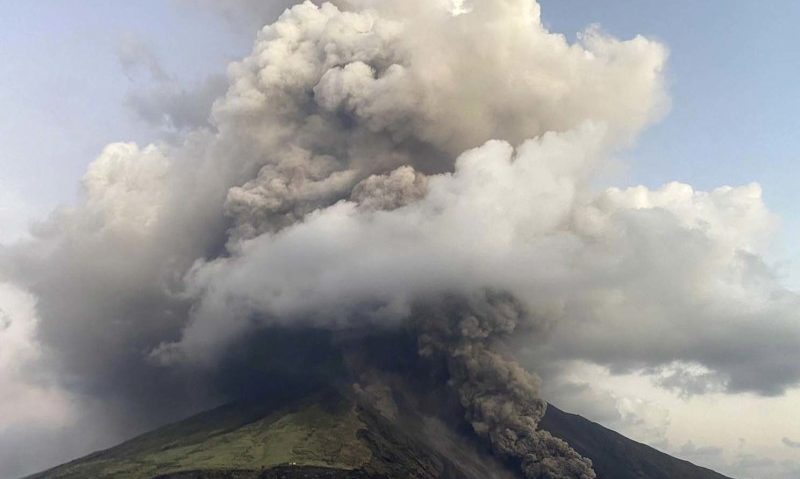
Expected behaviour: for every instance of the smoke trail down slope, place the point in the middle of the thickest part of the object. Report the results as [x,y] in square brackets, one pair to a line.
[501,399]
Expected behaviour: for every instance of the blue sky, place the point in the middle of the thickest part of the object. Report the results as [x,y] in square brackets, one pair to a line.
[733,75]
[732,81]
[63,89]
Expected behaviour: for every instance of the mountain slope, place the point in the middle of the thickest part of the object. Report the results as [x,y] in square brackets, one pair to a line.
[616,456]
[327,435]
[324,435]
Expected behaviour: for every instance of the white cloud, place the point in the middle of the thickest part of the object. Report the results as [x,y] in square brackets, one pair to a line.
[739,435]
[15,215]
[27,398]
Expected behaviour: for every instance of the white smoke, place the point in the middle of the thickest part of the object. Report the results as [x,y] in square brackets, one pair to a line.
[24,401]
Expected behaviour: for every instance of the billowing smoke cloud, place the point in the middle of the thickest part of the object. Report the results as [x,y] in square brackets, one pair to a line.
[160,100]
[370,157]
[501,399]
[245,16]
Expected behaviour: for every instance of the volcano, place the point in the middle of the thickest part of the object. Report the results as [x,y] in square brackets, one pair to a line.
[330,434]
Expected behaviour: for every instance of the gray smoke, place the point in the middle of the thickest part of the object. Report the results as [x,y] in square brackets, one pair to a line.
[501,399]
[369,156]
[244,16]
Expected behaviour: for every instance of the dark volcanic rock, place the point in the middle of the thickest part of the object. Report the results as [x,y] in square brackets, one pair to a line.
[615,456]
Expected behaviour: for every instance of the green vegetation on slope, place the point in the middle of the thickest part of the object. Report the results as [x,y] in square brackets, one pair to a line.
[324,435]
[239,436]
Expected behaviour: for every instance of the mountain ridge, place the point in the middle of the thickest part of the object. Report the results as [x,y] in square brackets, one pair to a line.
[616,455]
[330,435]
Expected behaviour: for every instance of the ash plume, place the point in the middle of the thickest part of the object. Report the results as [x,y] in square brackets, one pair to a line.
[501,399]
[370,161]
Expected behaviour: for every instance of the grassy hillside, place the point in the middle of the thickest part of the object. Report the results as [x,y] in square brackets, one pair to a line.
[325,435]
[244,436]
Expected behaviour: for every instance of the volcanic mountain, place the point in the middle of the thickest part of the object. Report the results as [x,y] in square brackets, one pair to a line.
[325,433]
